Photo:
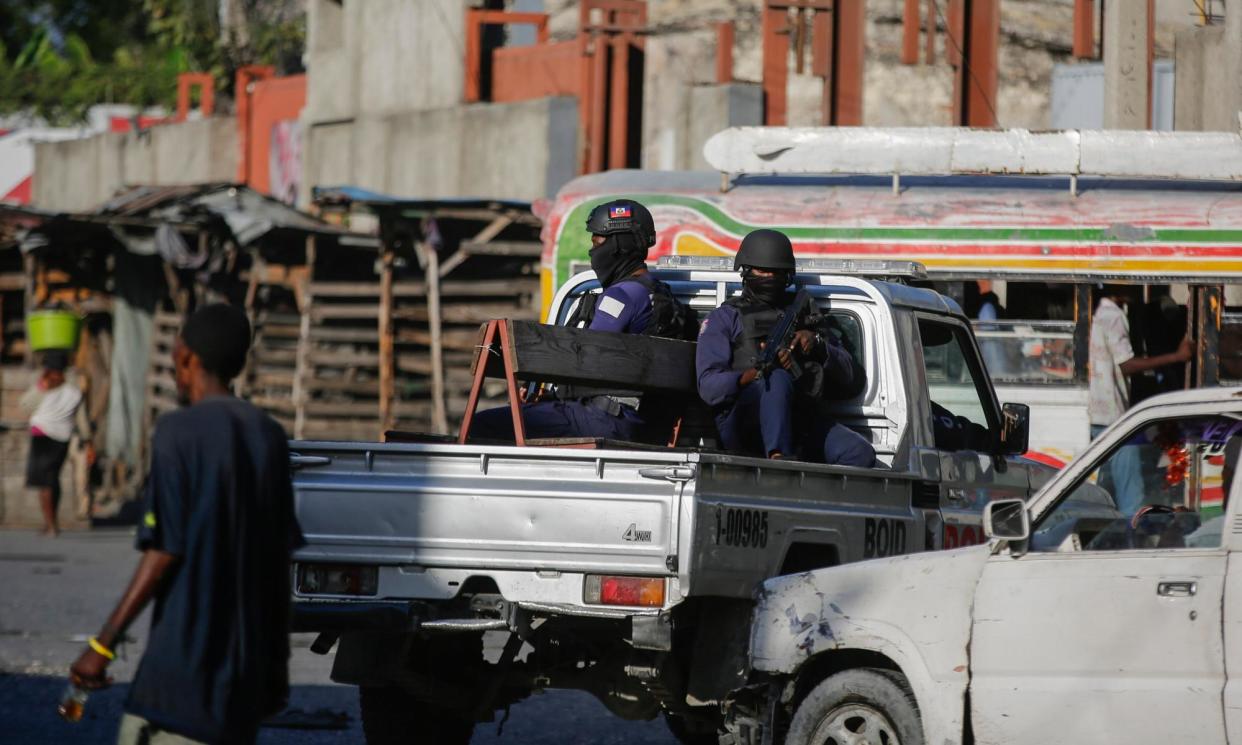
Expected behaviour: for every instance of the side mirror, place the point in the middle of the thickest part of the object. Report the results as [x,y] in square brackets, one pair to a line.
[1006,519]
[1015,429]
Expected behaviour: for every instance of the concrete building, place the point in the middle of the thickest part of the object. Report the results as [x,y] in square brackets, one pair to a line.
[385,97]
[80,174]
[384,109]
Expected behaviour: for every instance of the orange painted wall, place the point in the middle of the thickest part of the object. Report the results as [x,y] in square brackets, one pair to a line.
[275,101]
[524,73]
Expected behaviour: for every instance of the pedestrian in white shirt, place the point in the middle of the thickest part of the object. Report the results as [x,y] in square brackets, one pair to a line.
[54,405]
[1111,362]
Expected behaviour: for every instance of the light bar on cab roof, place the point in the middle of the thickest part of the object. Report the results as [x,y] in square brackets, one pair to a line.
[856,267]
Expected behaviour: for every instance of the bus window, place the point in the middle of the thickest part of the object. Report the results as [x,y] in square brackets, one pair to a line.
[1026,337]
[1231,346]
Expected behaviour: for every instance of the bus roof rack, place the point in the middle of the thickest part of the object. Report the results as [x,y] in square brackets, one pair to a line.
[921,151]
[876,268]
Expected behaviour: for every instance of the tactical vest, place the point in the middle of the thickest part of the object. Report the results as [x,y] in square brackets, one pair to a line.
[582,319]
[757,322]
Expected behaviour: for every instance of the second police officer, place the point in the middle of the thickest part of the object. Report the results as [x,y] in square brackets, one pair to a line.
[770,415]
[633,302]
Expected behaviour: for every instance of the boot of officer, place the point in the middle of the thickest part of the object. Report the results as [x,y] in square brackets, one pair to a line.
[621,233]
[756,413]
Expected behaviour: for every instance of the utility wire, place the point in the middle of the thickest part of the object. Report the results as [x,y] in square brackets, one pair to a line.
[948,33]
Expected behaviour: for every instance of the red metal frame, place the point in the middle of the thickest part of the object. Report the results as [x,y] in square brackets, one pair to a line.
[910,33]
[955,28]
[241,90]
[619,106]
[849,56]
[497,330]
[609,32]
[933,26]
[476,19]
[975,81]
[187,82]
[775,63]
[1084,29]
[838,53]
[724,52]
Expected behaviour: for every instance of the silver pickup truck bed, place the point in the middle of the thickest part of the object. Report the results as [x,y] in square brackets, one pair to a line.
[537,520]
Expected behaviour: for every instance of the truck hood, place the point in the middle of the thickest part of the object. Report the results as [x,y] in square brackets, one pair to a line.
[914,609]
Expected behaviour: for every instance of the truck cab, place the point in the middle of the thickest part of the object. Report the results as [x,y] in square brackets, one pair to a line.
[1089,616]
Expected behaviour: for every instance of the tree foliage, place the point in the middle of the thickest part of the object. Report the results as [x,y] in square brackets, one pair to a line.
[60,57]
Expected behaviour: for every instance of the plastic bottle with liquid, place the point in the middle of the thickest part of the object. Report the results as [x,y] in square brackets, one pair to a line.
[72,703]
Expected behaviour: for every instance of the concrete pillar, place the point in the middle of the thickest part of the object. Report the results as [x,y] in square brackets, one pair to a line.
[1233,61]
[1188,70]
[717,107]
[1126,73]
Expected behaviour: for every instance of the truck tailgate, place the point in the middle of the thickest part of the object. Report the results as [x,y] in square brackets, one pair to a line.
[481,507]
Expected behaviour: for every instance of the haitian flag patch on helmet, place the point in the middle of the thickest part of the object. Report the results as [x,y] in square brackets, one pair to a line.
[621,210]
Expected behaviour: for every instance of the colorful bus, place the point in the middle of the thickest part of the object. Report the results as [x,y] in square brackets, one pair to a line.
[1042,244]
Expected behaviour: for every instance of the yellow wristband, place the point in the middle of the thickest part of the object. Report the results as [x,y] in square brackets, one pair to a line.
[98,646]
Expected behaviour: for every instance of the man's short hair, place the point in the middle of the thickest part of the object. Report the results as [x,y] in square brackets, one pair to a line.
[1109,289]
[220,335]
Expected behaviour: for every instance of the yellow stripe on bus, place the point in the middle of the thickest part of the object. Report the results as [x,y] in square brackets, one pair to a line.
[691,244]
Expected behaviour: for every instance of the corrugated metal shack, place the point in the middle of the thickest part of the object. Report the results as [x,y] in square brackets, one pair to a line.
[365,321]
[133,268]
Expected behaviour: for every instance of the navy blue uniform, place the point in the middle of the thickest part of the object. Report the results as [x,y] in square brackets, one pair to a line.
[758,419]
[623,308]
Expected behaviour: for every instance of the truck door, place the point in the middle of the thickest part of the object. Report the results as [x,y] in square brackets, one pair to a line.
[1109,629]
[965,428]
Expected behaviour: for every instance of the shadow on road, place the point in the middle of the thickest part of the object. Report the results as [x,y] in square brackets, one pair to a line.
[28,712]
[28,717]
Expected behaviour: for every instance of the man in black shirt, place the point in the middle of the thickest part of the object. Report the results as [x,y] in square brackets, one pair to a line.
[216,537]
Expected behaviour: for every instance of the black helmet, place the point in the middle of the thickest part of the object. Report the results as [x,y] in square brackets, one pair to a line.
[623,216]
[765,249]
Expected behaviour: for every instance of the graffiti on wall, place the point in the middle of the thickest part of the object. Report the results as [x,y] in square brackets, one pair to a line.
[285,160]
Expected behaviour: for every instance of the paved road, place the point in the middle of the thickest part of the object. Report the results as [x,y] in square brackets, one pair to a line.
[55,592]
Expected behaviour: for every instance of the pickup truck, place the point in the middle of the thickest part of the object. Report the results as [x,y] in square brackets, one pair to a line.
[628,571]
[1078,621]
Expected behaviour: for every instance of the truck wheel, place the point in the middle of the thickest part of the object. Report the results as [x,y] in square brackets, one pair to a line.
[390,716]
[864,707]
[692,731]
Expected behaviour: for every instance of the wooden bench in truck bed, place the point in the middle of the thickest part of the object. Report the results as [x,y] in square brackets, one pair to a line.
[536,352]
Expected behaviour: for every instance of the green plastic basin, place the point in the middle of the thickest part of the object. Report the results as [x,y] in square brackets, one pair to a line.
[52,329]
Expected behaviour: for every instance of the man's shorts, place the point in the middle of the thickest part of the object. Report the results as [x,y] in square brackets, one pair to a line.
[137,731]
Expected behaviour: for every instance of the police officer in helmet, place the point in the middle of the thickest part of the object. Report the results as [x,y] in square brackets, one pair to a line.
[758,414]
[622,231]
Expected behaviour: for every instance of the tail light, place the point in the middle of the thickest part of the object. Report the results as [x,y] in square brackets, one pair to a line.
[647,592]
[337,579]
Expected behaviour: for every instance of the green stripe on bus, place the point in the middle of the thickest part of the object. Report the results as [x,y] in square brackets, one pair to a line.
[573,244]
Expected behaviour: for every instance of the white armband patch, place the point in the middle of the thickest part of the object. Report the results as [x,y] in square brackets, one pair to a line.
[611,306]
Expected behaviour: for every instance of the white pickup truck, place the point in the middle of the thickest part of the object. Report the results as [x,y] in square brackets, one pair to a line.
[628,571]
[1079,622]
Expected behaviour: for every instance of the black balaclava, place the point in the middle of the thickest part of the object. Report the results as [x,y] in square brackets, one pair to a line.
[768,290]
[616,258]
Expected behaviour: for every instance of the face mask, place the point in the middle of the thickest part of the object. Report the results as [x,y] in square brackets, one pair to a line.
[616,258]
[770,290]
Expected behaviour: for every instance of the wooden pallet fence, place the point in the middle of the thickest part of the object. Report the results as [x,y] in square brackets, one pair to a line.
[337,362]
[464,304]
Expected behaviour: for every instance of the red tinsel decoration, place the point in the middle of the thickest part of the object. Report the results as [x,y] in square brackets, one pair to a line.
[1179,463]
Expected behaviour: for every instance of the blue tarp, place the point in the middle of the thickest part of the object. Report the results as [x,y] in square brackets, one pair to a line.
[376,200]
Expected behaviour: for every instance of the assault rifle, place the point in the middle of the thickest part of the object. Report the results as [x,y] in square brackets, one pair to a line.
[800,314]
